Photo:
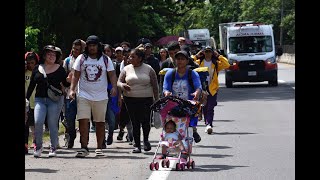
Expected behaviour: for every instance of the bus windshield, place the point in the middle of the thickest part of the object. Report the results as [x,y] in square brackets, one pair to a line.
[250,44]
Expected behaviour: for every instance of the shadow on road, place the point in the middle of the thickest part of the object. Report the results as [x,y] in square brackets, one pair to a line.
[214,168]
[232,133]
[41,170]
[212,155]
[255,92]
[223,120]
[216,147]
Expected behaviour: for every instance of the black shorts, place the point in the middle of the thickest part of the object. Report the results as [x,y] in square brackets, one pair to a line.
[30,120]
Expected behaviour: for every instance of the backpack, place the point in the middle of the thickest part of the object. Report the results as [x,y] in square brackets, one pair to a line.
[67,62]
[105,60]
[204,93]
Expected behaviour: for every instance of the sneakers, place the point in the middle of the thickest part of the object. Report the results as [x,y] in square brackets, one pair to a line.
[37,152]
[129,139]
[99,152]
[52,152]
[83,152]
[120,135]
[136,150]
[196,137]
[109,140]
[208,129]
[146,146]
[93,129]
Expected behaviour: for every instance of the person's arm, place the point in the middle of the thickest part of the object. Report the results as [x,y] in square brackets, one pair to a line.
[167,83]
[222,61]
[32,84]
[65,78]
[113,77]
[74,82]
[121,83]
[197,85]
[154,84]
[76,72]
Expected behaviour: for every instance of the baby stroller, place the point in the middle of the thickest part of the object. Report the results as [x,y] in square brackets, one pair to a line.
[173,108]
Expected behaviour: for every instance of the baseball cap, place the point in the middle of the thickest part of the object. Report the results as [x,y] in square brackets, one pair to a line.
[92,39]
[148,45]
[184,53]
[119,48]
[208,48]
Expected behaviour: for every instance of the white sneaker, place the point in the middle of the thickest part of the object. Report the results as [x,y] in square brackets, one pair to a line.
[52,152]
[37,153]
[208,129]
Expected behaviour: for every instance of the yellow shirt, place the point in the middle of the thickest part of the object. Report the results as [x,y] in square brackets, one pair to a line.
[26,85]
[222,63]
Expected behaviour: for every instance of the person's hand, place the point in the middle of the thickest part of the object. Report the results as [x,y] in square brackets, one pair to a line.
[167,93]
[113,92]
[126,87]
[72,94]
[196,95]
[68,79]
[215,53]
[199,54]
[119,102]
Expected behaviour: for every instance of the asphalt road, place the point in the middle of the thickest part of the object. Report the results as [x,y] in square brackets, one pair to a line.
[254,138]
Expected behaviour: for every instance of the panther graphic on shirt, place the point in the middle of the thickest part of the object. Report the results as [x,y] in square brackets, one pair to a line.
[180,88]
[93,72]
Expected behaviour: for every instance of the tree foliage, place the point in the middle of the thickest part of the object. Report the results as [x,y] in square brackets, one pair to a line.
[31,39]
[60,21]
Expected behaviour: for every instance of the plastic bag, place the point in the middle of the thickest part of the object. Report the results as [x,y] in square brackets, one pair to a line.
[156,119]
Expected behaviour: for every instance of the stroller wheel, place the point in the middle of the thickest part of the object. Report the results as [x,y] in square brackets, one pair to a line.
[193,164]
[177,166]
[156,165]
[167,163]
[188,164]
[163,163]
[182,166]
[151,166]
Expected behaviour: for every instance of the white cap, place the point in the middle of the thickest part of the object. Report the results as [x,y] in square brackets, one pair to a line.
[119,49]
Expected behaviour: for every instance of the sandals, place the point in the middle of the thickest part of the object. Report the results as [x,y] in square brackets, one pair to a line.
[82,153]
[99,152]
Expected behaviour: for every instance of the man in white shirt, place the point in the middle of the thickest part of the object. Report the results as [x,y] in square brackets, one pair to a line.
[90,75]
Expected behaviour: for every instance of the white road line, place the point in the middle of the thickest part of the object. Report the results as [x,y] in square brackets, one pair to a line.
[162,173]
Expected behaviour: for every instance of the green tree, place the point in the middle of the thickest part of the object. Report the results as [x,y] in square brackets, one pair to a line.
[31,39]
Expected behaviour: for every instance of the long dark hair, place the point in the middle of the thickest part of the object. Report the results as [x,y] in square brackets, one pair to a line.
[100,51]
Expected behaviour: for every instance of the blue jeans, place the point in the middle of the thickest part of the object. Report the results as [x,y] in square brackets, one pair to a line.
[70,115]
[46,107]
[110,118]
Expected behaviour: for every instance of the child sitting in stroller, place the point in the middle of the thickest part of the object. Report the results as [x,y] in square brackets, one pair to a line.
[171,134]
[176,135]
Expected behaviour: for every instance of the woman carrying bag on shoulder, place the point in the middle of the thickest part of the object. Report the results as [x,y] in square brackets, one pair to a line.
[47,75]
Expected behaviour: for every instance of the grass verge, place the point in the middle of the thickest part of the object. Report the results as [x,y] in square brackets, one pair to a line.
[46,136]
